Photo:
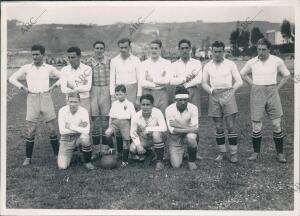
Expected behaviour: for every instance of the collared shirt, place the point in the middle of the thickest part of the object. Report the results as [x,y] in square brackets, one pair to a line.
[79,121]
[122,110]
[265,72]
[189,117]
[221,75]
[156,122]
[100,70]
[155,74]
[124,72]
[80,79]
[181,70]
[37,78]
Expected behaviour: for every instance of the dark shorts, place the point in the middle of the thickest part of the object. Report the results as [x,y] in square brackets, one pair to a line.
[194,98]
[161,98]
[222,103]
[265,99]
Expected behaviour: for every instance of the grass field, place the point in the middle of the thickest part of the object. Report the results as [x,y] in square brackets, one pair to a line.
[263,185]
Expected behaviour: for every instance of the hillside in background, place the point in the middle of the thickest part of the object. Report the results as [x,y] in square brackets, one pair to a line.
[57,38]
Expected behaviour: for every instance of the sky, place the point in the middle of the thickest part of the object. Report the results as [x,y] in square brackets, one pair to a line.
[105,13]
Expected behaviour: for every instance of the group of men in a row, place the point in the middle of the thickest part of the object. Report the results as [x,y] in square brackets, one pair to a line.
[113,90]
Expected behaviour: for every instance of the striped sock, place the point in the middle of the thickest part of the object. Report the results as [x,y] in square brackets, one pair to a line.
[29,146]
[256,141]
[220,138]
[232,139]
[159,151]
[96,139]
[87,153]
[278,140]
[55,144]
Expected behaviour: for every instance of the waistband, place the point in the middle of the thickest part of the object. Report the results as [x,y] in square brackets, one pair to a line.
[69,136]
[156,88]
[39,93]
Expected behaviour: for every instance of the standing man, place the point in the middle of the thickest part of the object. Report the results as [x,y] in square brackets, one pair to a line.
[124,70]
[221,73]
[155,76]
[39,101]
[265,95]
[74,127]
[182,122]
[77,77]
[100,96]
[147,127]
[188,72]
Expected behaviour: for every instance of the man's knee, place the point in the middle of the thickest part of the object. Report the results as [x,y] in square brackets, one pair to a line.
[191,140]
[175,162]
[132,148]
[219,127]
[256,126]
[276,124]
[30,130]
[62,163]
[157,137]
[85,140]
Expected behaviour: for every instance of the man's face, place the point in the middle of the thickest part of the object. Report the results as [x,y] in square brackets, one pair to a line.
[74,59]
[218,53]
[124,48]
[73,103]
[99,50]
[262,51]
[120,96]
[155,50]
[181,103]
[146,106]
[184,50]
[37,56]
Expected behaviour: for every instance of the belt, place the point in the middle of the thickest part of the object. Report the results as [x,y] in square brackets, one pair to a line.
[68,136]
[152,89]
[38,93]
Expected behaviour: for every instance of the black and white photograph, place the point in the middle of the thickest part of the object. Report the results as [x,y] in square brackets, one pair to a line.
[150,108]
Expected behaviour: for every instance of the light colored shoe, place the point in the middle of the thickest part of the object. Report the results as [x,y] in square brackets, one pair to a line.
[281,158]
[27,161]
[89,166]
[233,158]
[254,156]
[124,164]
[159,166]
[192,165]
[198,157]
[220,157]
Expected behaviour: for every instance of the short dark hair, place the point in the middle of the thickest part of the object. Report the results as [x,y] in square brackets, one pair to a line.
[180,89]
[39,48]
[147,97]
[218,44]
[264,41]
[120,88]
[124,40]
[74,49]
[184,41]
[157,41]
[73,95]
[98,42]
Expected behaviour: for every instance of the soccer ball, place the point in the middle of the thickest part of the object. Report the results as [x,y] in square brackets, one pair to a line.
[109,161]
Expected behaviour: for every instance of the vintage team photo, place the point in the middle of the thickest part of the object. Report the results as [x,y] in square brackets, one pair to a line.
[144,106]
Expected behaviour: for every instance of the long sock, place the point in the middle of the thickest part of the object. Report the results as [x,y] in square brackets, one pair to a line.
[278,140]
[119,143]
[55,144]
[29,146]
[220,138]
[159,149]
[192,153]
[96,139]
[87,156]
[256,141]
[125,154]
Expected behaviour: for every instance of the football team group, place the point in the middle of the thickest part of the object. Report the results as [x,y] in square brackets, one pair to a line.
[124,102]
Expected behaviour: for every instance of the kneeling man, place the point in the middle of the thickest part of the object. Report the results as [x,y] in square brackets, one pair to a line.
[147,127]
[182,121]
[74,127]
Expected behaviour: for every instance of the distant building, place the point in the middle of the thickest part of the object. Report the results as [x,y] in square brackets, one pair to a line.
[275,37]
